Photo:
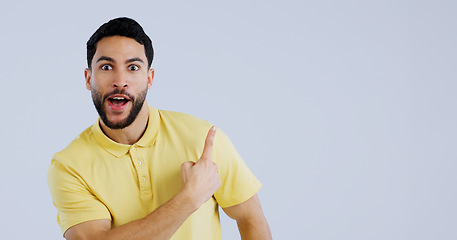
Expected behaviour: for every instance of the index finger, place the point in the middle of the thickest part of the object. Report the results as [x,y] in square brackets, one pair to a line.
[208,148]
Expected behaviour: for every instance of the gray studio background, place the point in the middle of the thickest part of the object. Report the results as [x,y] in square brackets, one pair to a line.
[345,110]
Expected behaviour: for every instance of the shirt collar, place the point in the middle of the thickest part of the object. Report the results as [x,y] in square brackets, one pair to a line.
[118,149]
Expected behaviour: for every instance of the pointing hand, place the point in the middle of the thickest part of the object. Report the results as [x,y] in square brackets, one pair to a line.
[201,179]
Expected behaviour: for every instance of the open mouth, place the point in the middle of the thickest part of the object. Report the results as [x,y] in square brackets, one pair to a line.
[117,102]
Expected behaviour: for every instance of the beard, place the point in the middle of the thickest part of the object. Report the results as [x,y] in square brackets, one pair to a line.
[137,104]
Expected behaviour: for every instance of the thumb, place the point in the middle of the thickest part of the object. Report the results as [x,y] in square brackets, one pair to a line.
[187,165]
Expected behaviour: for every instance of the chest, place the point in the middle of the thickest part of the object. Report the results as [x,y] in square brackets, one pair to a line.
[138,182]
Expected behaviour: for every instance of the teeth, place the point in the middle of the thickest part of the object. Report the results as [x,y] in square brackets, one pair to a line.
[118,98]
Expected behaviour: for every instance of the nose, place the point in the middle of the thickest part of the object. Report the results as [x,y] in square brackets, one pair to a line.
[120,80]
[115,85]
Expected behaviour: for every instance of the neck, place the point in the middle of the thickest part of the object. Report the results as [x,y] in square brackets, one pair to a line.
[131,134]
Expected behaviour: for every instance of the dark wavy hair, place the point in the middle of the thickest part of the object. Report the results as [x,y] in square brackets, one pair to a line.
[122,26]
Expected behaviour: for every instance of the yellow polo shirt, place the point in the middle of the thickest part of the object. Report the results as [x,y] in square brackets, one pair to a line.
[97,178]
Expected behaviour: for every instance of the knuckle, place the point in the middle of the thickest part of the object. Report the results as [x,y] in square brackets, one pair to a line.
[186,165]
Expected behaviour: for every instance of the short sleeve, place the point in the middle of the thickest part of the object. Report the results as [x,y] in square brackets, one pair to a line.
[238,182]
[74,202]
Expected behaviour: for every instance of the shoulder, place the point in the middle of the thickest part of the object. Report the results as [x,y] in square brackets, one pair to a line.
[183,121]
[183,127]
[77,149]
[182,118]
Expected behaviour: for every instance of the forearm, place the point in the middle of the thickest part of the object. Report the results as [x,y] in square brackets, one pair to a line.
[200,181]
[160,224]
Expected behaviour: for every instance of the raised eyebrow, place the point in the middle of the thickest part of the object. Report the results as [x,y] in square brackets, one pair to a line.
[134,60]
[104,58]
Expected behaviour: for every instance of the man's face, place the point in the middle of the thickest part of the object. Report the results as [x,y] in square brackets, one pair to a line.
[119,80]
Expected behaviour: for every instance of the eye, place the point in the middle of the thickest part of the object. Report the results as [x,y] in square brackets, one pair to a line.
[106,67]
[134,68]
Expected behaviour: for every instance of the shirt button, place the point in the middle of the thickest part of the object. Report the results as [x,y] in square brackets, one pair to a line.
[133,149]
[143,179]
[139,162]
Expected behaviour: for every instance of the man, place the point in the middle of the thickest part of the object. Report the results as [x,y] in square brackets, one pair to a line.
[143,173]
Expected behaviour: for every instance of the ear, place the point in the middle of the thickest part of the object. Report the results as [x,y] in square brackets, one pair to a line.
[150,77]
[87,75]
